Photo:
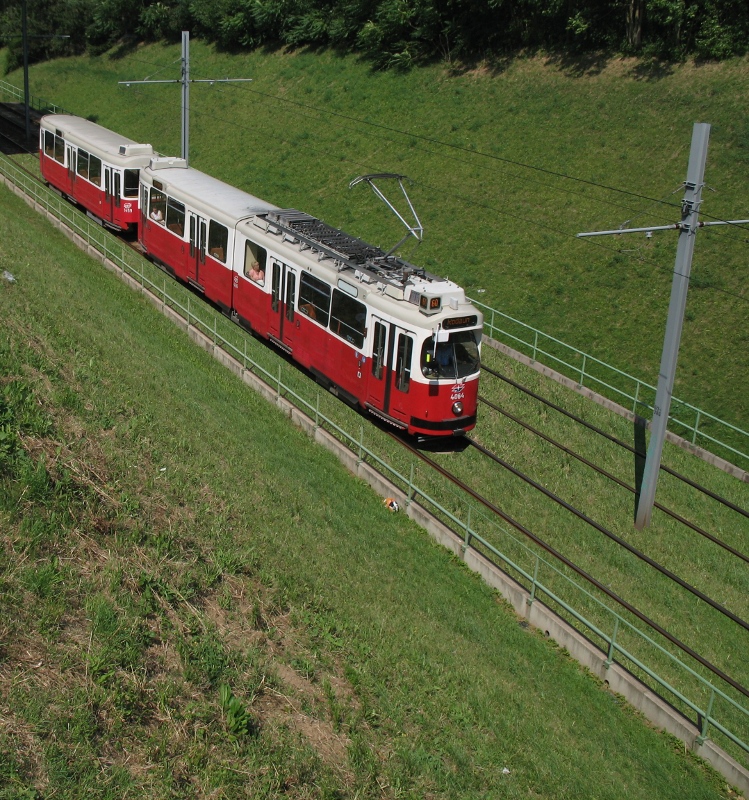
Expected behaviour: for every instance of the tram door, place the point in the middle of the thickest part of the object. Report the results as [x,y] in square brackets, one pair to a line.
[71,167]
[198,241]
[382,355]
[112,191]
[402,353]
[283,324]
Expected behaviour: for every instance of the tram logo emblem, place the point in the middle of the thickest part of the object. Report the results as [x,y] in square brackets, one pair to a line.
[458,391]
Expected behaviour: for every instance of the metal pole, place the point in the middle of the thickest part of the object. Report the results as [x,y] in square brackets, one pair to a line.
[690,206]
[25,34]
[185,94]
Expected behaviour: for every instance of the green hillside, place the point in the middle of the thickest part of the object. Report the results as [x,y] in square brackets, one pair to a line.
[311,121]
[190,605]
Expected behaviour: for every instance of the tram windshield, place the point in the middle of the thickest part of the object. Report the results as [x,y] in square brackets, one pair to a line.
[458,357]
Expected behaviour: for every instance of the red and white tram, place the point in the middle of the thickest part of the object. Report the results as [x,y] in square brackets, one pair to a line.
[93,166]
[377,331]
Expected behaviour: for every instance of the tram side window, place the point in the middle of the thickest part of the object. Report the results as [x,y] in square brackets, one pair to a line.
[157,206]
[378,349]
[348,318]
[49,144]
[175,217]
[218,240]
[314,298]
[403,362]
[94,170]
[290,295]
[59,149]
[255,258]
[130,188]
[82,163]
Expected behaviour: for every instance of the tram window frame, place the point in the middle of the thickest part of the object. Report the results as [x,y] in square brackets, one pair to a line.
[49,144]
[157,202]
[94,169]
[59,149]
[131,182]
[348,318]
[379,354]
[404,357]
[275,286]
[290,294]
[175,217]
[81,163]
[254,252]
[314,298]
[218,241]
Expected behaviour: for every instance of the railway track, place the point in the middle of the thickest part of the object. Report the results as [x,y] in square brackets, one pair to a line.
[606,590]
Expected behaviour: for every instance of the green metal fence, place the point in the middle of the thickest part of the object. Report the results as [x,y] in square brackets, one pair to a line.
[720,711]
[14,93]
[688,421]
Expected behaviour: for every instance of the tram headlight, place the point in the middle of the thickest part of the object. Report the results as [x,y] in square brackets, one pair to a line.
[457,408]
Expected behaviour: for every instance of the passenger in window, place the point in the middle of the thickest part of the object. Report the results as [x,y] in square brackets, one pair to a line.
[157,216]
[256,274]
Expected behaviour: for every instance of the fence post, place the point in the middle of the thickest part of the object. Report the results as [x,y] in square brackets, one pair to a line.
[535,344]
[533,583]
[469,533]
[361,446]
[612,644]
[410,494]
[705,721]
[696,426]
[637,397]
[582,372]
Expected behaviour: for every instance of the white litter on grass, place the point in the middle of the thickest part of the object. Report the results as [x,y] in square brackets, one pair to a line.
[163,469]
[8,277]
[505,771]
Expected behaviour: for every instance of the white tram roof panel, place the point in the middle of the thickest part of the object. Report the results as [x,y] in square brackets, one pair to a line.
[114,147]
[202,192]
[359,261]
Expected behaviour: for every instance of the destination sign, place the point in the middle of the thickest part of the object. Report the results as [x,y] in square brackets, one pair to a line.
[459,322]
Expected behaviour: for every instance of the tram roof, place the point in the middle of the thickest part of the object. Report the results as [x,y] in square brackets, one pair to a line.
[201,191]
[90,135]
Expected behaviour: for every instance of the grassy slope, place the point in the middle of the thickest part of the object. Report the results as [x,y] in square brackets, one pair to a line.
[149,556]
[490,224]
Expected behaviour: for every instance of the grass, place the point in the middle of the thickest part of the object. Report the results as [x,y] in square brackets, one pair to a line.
[171,544]
[491,223]
[701,564]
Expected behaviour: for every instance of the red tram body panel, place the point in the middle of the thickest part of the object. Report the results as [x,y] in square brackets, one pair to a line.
[94,167]
[382,334]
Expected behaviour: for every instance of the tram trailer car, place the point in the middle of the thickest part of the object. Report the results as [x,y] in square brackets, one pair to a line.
[377,331]
[94,167]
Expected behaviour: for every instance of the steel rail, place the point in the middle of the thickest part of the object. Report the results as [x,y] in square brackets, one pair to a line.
[618,481]
[574,567]
[613,536]
[724,501]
